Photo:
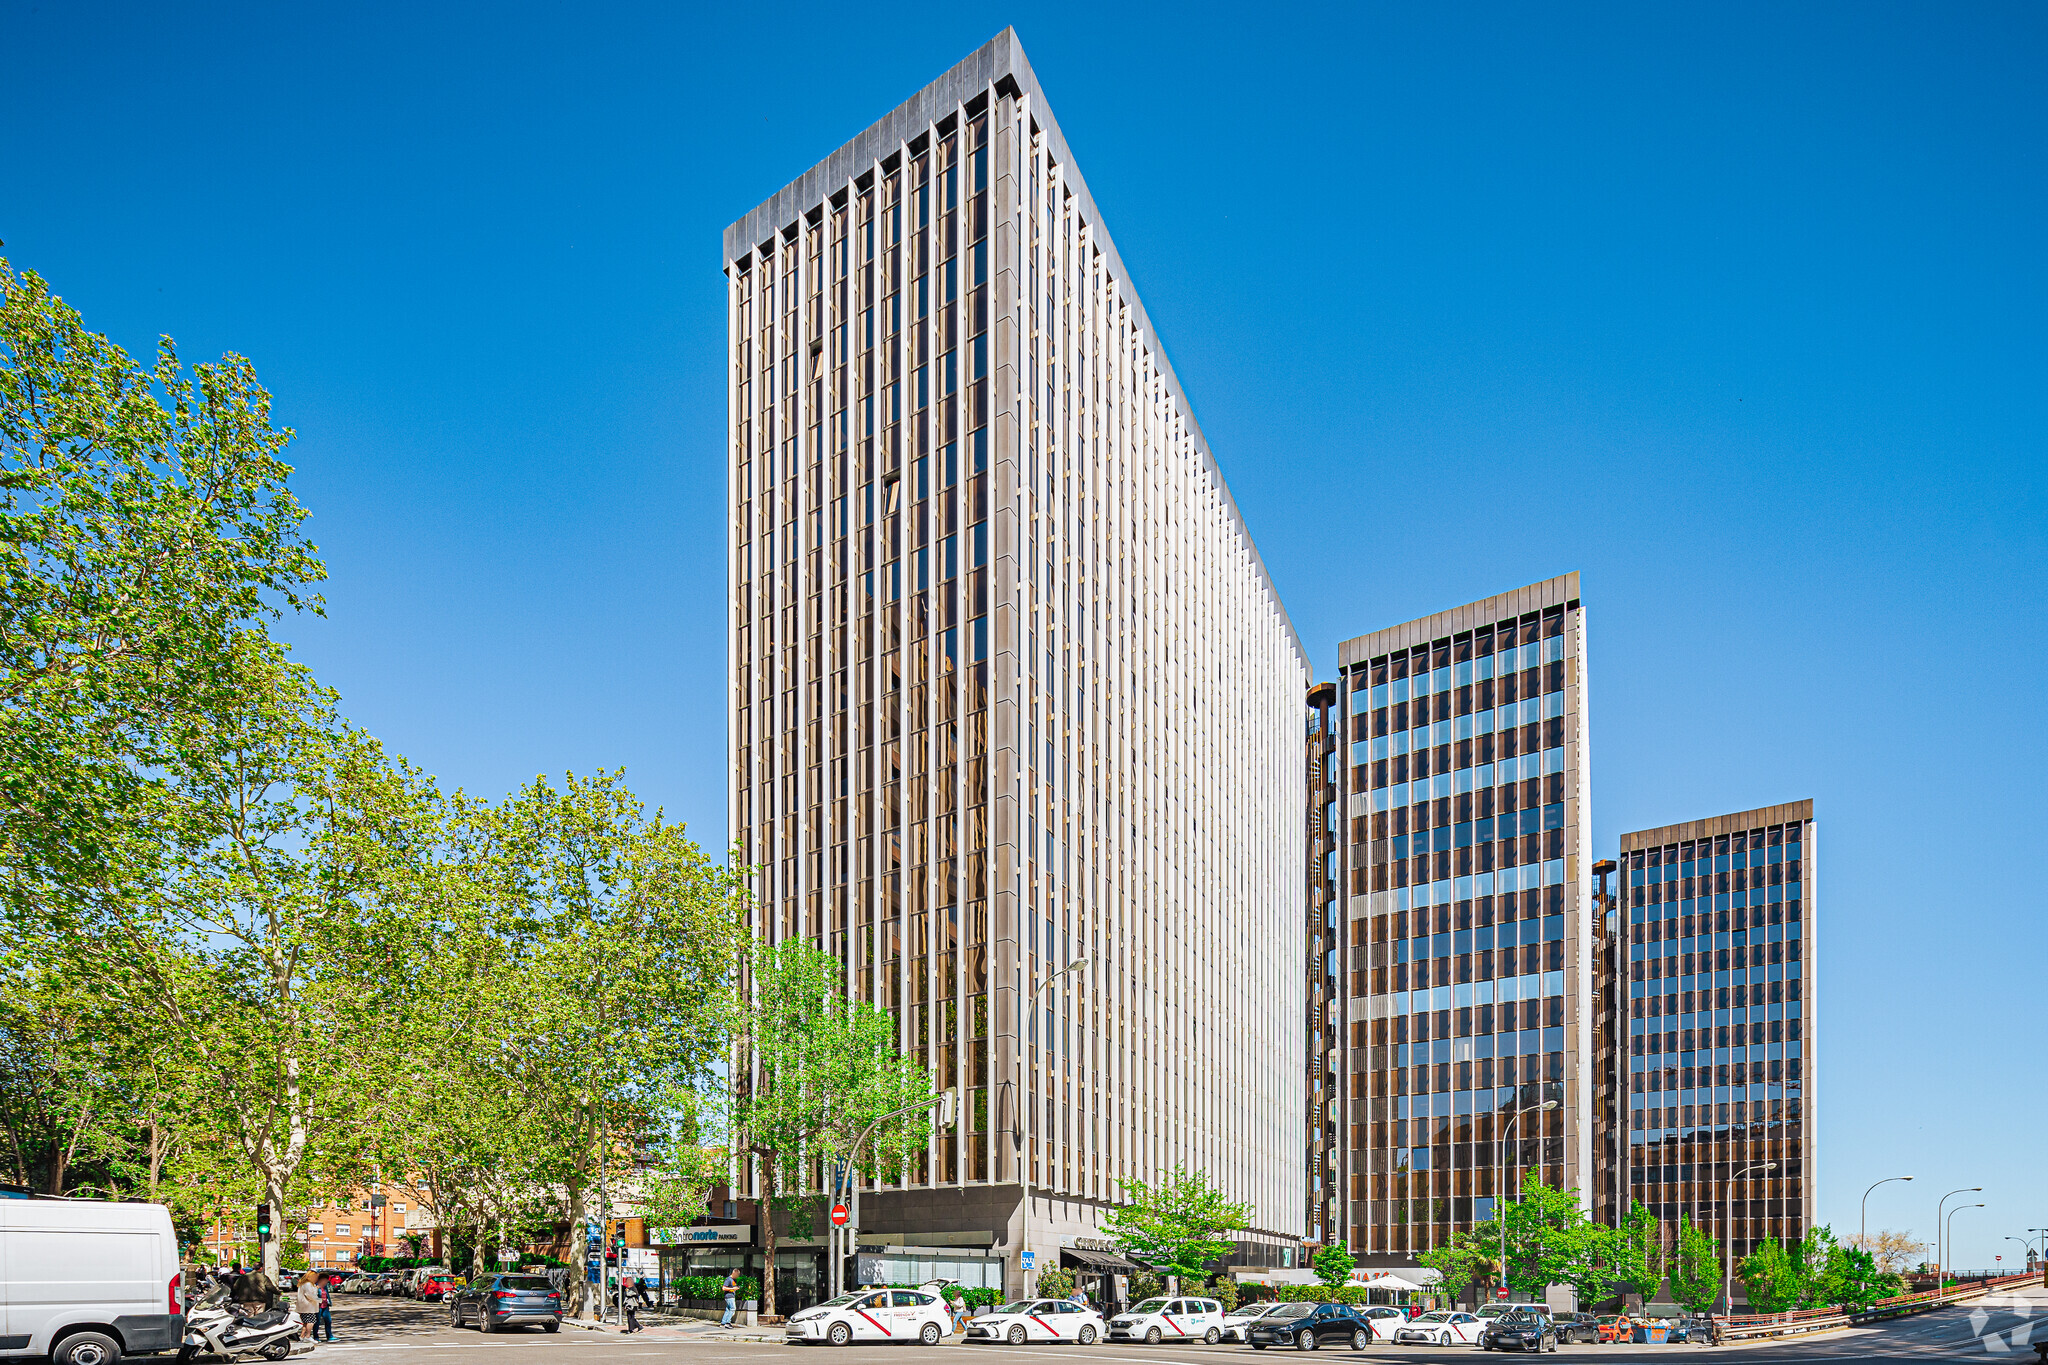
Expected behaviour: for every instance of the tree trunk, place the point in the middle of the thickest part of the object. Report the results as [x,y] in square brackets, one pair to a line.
[579,1248]
[273,1190]
[767,1214]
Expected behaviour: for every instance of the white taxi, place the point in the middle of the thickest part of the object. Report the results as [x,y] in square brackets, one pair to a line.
[1030,1320]
[902,1315]
[1237,1325]
[1169,1319]
[1440,1328]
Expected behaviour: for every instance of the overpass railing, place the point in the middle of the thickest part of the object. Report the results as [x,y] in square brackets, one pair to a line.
[1740,1327]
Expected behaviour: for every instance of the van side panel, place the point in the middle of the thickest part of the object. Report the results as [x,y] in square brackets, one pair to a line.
[70,1263]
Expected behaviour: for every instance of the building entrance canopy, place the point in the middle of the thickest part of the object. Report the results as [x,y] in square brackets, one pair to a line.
[1107,1262]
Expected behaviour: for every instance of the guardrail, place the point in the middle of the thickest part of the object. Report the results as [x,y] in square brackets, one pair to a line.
[1742,1327]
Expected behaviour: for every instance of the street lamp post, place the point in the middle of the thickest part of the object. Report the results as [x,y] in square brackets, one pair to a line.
[1863,1223]
[2029,1248]
[840,1186]
[1030,1106]
[1728,1233]
[1948,1231]
[1500,1213]
[1940,1262]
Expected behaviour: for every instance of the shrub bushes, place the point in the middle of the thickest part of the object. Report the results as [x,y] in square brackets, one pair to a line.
[712,1287]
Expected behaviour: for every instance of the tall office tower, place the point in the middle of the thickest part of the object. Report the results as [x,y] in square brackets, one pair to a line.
[1718,962]
[1011,685]
[1325,761]
[1472,989]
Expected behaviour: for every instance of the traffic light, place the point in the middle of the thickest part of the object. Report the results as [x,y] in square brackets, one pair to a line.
[263,1222]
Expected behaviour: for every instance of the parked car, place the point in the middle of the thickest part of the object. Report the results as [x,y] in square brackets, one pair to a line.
[1383,1320]
[873,1315]
[1488,1311]
[1030,1320]
[87,1281]
[1519,1331]
[1305,1326]
[1440,1328]
[1164,1319]
[1616,1327]
[1237,1324]
[493,1302]
[1573,1327]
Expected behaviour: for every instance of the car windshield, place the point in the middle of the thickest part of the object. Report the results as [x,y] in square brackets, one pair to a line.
[846,1300]
[1150,1306]
[1293,1310]
[1021,1306]
[1434,1317]
[1253,1310]
[526,1283]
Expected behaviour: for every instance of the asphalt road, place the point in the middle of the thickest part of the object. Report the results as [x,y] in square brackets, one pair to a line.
[375,1331]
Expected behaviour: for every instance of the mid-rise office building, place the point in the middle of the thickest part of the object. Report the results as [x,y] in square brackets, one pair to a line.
[1714,977]
[1473,952]
[1011,685]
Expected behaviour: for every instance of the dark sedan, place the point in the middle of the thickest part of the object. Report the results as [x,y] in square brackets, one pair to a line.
[1519,1332]
[1305,1326]
[1573,1327]
[491,1302]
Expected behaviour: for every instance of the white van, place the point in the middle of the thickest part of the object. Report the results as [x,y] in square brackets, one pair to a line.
[86,1282]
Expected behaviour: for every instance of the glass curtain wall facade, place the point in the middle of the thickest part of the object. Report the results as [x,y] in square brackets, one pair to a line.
[1011,684]
[1717,961]
[1472,989]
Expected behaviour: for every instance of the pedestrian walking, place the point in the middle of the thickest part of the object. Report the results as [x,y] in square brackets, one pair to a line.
[732,1302]
[255,1291]
[306,1303]
[325,1317]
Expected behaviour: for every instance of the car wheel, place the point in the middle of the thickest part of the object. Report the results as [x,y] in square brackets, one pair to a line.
[1258,1346]
[1017,1335]
[1211,1337]
[551,1327]
[1304,1340]
[86,1348]
[840,1334]
[483,1321]
[1152,1337]
[929,1334]
[1360,1340]
[1086,1336]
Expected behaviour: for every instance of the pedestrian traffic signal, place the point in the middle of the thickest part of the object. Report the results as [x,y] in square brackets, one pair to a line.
[263,1222]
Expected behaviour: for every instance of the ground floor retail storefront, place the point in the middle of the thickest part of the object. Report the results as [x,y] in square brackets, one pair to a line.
[802,1277]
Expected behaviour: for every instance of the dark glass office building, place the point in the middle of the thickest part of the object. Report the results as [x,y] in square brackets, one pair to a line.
[1470,996]
[1715,982]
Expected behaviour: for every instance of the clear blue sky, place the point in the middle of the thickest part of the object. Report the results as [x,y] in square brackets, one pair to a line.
[1737,310]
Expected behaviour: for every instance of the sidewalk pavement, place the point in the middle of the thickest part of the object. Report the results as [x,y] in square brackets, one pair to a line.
[683,1329]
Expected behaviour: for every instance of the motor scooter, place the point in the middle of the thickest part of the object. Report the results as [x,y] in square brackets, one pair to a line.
[215,1329]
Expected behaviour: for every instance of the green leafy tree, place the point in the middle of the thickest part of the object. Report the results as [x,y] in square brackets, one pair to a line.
[1851,1280]
[1774,1277]
[1055,1283]
[280,917]
[812,1070]
[1333,1264]
[1470,1258]
[602,943]
[146,533]
[1179,1225]
[1635,1252]
[1695,1268]
[1549,1240]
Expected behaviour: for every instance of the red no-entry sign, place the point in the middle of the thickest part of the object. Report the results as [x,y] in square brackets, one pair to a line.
[839,1215]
